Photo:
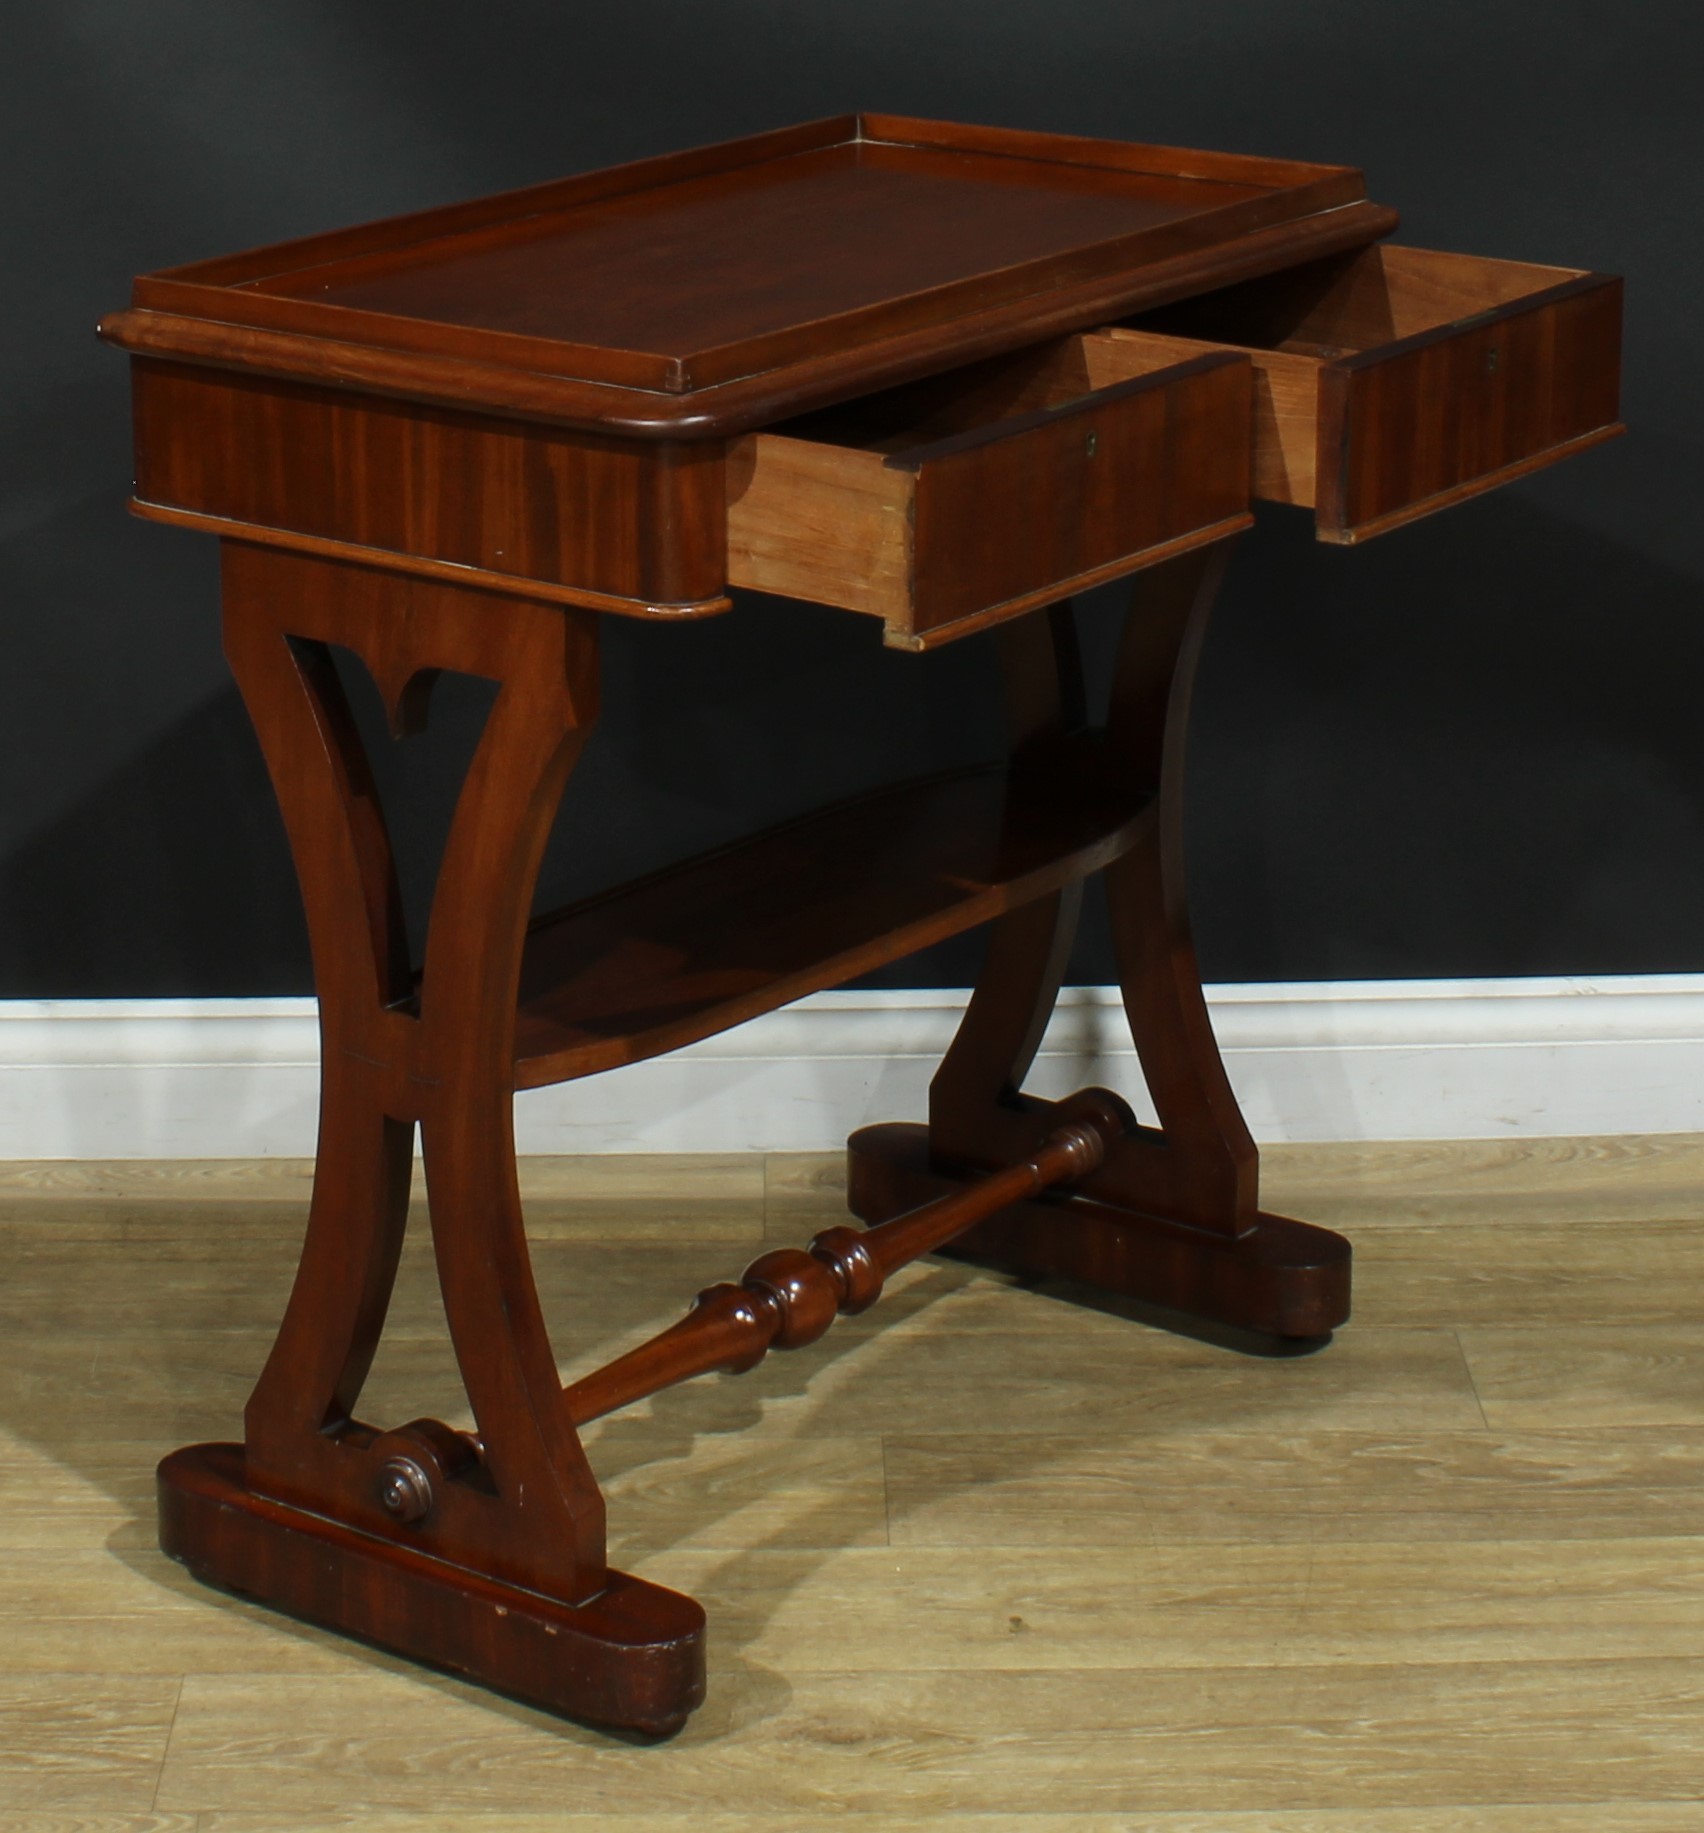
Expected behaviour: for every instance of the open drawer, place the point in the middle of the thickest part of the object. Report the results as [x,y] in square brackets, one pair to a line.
[1395,381]
[956,502]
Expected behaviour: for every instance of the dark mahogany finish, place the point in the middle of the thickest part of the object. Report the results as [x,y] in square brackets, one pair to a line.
[1284,1280]
[868,362]
[692,950]
[603,320]
[867,246]
[631,1657]
[547,511]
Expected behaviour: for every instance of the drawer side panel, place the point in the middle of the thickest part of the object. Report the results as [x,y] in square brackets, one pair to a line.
[820,522]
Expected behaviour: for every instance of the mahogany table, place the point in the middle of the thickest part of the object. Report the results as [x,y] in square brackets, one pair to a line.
[936,375]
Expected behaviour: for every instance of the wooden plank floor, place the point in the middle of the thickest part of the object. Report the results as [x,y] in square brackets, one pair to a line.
[983,1557]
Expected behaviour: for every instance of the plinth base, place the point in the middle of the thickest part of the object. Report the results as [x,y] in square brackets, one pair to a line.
[1281,1279]
[633,1657]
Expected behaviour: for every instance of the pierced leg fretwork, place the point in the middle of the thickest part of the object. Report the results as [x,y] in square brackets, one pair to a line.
[482,1552]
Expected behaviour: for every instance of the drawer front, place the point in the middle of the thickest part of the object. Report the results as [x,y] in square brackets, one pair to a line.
[1143,458]
[1130,472]
[1441,416]
[1396,381]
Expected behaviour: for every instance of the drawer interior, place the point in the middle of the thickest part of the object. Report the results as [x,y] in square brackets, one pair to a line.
[983,397]
[1355,303]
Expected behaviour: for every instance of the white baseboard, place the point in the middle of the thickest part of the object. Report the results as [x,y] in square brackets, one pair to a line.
[1346,1060]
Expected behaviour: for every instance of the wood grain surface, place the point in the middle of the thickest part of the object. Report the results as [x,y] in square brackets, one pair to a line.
[1446,1575]
[847,231]
[686,952]
[823,261]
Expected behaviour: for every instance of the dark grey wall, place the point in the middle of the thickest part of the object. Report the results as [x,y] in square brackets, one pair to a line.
[1474,747]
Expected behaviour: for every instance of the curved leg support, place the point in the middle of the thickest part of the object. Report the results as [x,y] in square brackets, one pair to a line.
[480,1552]
[1172,1216]
[1205,1170]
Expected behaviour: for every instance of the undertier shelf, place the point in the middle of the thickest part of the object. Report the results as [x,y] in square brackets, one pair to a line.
[689,951]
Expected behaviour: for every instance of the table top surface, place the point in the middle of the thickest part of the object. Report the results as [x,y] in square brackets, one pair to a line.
[762,257]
